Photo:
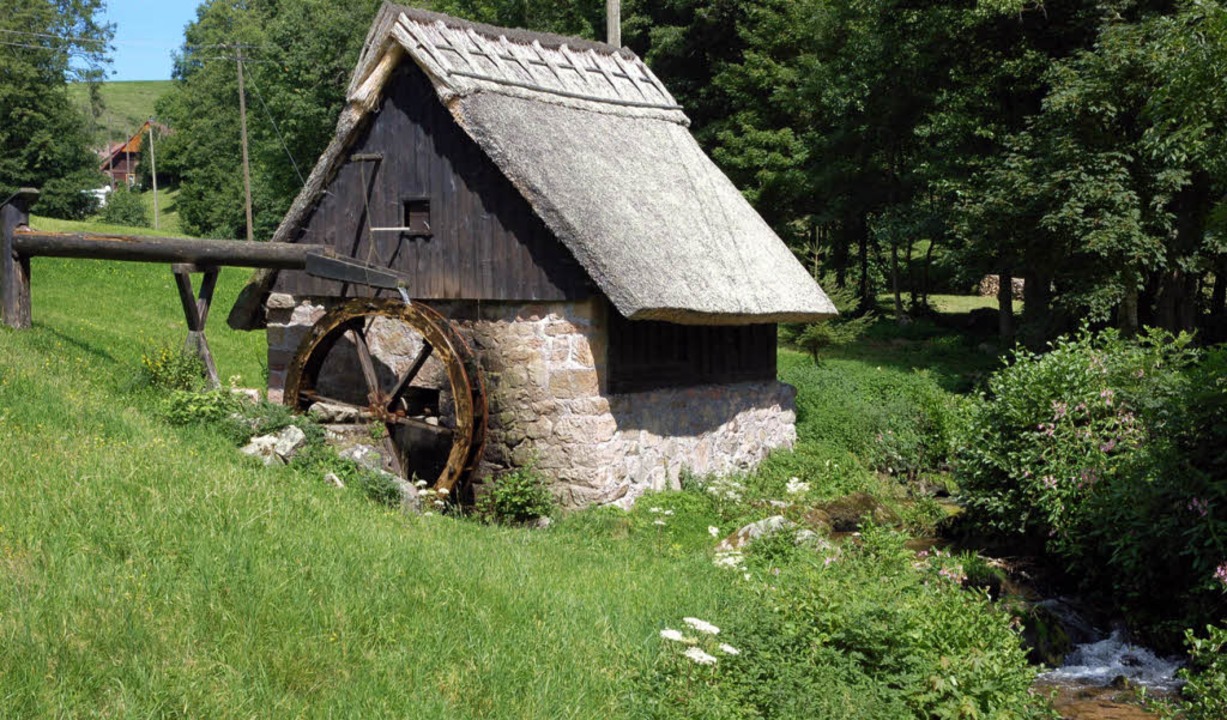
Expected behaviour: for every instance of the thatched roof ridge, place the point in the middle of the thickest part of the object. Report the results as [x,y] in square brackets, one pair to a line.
[600,149]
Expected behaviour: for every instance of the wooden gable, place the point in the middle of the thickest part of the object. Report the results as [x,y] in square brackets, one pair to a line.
[419,196]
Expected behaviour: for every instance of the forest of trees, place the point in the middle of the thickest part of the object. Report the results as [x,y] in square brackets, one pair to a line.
[905,146]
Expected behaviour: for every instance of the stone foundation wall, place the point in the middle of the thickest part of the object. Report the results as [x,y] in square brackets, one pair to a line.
[545,366]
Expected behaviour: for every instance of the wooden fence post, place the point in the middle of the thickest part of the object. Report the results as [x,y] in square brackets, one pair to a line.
[15,269]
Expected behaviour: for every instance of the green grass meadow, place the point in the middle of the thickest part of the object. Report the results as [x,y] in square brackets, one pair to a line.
[125,106]
[152,571]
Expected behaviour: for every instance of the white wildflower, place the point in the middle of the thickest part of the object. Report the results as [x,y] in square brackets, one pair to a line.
[419,483]
[423,492]
[745,576]
[713,531]
[654,510]
[668,512]
[440,504]
[661,523]
[442,491]
[729,649]
[702,626]
[427,514]
[729,559]
[699,656]
[671,634]
[795,486]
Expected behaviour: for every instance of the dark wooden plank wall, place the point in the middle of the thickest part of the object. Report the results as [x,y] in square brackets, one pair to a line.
[486,244]
[647,355]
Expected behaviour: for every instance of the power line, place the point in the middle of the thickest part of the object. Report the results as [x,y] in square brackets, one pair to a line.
[276,129]
[44,48]
[153,43]
[64,38]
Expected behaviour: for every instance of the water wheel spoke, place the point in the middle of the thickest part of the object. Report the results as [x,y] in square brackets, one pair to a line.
[358,333]
[389,446]
[364,411]
[414,368]
[421,424]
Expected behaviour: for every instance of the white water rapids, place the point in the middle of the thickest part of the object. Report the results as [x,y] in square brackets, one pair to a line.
[1102,662]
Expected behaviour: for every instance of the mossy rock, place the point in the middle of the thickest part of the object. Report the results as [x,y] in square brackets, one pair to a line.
[1044,635]
[848,513]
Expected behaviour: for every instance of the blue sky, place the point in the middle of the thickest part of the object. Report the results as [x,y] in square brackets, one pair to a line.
[146,33]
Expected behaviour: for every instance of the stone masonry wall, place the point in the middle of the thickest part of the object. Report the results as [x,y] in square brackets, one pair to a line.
[544,367]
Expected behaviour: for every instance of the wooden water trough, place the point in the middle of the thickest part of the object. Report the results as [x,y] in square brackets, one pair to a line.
[451,452]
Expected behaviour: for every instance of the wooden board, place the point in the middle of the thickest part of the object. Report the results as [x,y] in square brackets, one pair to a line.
[485,242]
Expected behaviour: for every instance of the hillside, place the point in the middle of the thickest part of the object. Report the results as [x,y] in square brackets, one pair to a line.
[127,105]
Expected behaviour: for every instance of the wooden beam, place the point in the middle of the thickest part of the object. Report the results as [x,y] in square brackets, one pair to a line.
[15,266]
[137,248]
[348,270]
[196,312]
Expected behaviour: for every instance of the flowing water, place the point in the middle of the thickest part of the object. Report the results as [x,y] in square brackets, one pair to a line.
[1114,660]
[1105,677]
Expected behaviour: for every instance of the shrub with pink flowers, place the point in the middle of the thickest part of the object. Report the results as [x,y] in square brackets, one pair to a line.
[1107,454]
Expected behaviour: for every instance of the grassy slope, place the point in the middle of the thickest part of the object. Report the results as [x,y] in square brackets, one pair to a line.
[168,212]
[151,570]
[127,105]
[169,225]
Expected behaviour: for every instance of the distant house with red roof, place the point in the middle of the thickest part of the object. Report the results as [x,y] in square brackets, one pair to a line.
[119,161]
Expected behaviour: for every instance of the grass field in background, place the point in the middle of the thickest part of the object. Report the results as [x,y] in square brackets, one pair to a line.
[126,106]
[168,224]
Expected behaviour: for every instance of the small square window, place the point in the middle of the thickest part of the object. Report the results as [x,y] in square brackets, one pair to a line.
[417,218]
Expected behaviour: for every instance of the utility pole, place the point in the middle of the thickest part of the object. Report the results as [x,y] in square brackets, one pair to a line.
[613,22]
[153,171]
[243,134]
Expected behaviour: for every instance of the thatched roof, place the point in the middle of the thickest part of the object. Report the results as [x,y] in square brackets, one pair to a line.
[601,151]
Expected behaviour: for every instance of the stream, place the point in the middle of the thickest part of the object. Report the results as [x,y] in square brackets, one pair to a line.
[1104,676]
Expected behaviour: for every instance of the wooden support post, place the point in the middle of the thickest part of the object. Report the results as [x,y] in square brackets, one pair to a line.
[14,268]
[196,311]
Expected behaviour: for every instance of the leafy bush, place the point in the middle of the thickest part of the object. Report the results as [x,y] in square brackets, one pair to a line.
[171,367]
[517,496]
[125,207]
[1204,696]
[895,421]
[828,470]
[189,407]
[863,631]
[1108,454]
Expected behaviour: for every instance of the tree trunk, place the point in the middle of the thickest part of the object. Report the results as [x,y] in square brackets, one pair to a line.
[1169,300]
[1005,306]
[924,277]
[1127,315]
[841,240]
[1177,302]
[865,290]
[894,282]
[1037,309]
[911,279]
[1218,296]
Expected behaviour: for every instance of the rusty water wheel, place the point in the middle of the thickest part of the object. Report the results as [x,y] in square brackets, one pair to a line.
[432,407]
